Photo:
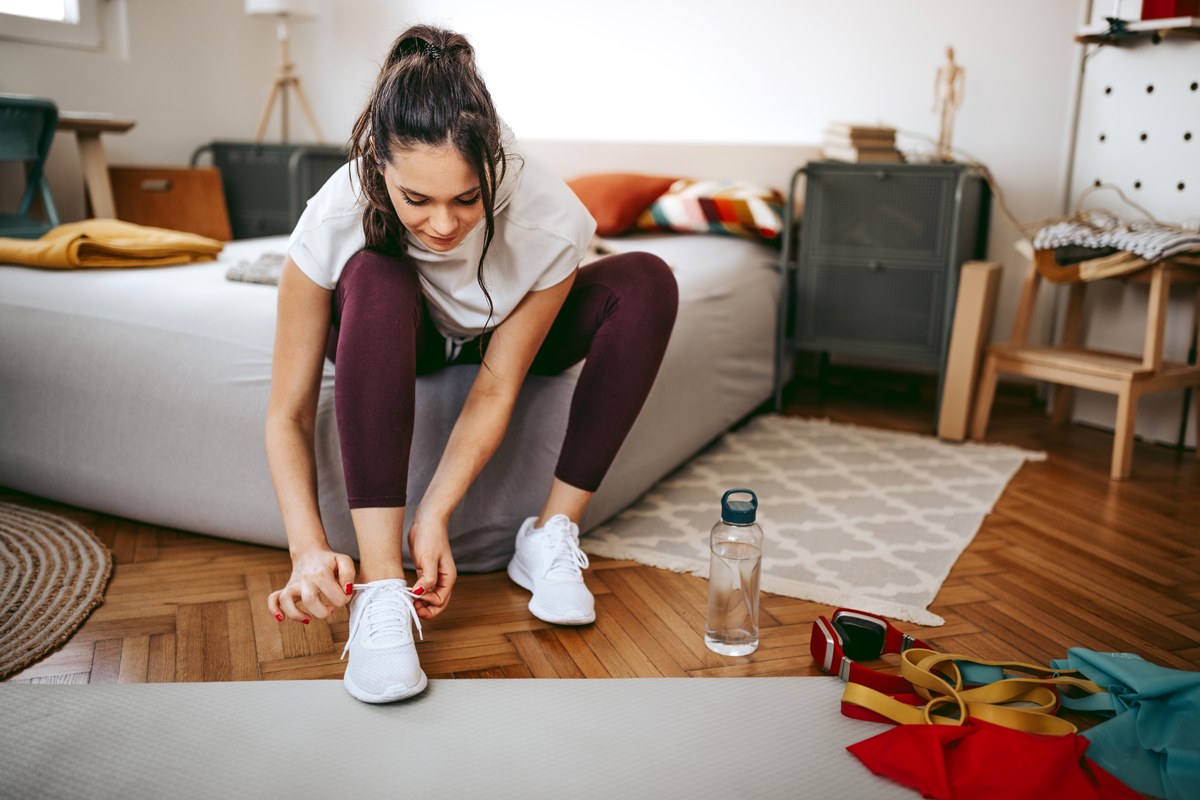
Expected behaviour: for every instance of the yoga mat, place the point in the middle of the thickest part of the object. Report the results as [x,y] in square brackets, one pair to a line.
[629,738]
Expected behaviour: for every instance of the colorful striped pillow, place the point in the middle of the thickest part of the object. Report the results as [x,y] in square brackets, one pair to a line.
[710,206]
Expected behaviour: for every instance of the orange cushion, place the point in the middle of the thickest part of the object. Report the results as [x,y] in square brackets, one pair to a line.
[615,199]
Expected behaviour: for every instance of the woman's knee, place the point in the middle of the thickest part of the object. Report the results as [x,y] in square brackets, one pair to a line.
[642,280]
[656,292]
[660,282]
[375,279]
[375,271]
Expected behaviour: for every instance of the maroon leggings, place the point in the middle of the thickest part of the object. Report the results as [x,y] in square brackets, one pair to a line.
[618,315]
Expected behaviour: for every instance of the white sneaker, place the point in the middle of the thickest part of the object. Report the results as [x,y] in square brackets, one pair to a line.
[383,657]
[548,562]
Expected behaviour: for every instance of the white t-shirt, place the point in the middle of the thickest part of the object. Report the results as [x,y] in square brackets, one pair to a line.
[542,232]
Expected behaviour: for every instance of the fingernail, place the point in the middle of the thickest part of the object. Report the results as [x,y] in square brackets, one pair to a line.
[349,588]
[305,620]
[279,617]
[420,590]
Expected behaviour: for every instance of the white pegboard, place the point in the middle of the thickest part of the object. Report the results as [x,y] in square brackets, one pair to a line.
[1139,129]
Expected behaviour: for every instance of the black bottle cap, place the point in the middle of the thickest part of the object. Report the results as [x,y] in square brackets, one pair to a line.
[739,512]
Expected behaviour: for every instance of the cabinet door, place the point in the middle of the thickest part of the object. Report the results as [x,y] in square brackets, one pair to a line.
[871,308]
[879,212]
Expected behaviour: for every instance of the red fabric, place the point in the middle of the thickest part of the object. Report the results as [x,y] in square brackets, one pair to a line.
[981,761]
[1163,9]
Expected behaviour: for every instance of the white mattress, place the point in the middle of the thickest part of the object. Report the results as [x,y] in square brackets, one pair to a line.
[142,393]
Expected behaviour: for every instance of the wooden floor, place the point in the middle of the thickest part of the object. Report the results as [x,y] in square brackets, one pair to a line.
[1069,558]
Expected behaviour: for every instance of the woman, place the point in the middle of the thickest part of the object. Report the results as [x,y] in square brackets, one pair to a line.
[440,244]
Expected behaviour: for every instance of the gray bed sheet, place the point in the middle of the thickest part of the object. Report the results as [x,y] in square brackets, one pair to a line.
[142,393]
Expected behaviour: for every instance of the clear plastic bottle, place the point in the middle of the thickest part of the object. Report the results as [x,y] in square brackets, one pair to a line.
[735,561]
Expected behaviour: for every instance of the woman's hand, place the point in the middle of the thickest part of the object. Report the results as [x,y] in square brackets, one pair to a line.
[320,584]
[429,543]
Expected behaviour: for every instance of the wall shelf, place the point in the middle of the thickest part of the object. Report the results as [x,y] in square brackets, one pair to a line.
[1137,31]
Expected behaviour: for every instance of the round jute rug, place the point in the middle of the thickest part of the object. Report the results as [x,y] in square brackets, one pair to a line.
[52,574]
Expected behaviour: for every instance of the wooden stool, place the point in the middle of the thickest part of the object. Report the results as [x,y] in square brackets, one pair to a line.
[1070,365]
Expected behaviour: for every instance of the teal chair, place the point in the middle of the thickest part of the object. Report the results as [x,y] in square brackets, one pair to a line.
[26,130]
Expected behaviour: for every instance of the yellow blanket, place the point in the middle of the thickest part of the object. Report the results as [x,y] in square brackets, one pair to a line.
[108,243]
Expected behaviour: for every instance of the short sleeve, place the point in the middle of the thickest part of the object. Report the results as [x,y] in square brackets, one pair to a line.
[557,223]
[329,231]
[561,267]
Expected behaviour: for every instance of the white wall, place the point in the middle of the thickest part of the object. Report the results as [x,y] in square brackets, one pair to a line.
[758,71]
[189,73]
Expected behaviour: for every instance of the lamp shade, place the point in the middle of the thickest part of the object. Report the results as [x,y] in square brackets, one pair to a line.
[292,8]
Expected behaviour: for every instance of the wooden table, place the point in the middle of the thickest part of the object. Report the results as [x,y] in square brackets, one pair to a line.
[87,128]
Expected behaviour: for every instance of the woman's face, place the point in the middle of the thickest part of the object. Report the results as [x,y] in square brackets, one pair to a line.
[435,193]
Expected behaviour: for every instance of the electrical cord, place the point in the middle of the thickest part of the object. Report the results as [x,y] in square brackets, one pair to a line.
[1092,218]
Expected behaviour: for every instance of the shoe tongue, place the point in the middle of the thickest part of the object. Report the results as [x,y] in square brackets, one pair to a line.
[564,562]
[387,582]
[387,617]
[557,522]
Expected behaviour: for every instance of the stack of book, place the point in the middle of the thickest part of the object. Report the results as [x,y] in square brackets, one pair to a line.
[846,141]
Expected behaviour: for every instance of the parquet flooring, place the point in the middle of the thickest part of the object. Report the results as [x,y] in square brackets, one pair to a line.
[1068,558]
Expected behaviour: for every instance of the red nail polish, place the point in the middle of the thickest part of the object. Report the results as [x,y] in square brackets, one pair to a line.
[349,588]
[305,621]
[420,590]
[279,617]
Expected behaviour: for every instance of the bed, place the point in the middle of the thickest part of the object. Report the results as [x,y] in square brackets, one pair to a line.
[143,393]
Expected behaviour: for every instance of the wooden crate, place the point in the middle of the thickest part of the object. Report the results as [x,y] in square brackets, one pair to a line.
[178,198]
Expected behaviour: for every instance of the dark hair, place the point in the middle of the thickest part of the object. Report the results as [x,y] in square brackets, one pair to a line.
[428,92]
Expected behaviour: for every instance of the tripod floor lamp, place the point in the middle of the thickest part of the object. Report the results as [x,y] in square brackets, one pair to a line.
[286,80]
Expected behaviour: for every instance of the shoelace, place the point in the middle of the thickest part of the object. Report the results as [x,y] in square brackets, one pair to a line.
[388,613]
[566,558]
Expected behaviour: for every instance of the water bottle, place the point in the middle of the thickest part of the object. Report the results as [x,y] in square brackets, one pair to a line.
[735,560]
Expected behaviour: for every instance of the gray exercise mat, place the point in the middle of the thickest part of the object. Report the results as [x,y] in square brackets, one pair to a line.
[528,739]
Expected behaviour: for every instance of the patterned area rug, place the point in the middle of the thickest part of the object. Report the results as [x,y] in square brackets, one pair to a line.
[52,574]
[856,517]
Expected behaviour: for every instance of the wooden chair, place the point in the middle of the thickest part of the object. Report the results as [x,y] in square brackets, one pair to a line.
[1071,365]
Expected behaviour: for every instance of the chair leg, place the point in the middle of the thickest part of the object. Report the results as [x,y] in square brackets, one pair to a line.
[1072,336]
[1196,389]
[985,396]
[1196,417]
[1122,459]
[1027,304]
[1064,401]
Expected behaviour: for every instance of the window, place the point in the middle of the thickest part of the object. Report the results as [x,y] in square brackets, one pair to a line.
[68,23]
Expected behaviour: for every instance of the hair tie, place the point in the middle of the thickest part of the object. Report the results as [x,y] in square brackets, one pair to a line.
[433,51]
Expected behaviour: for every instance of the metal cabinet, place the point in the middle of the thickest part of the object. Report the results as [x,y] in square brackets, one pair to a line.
[267,185]
[874,269]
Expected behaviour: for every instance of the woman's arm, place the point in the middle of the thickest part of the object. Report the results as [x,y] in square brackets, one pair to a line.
[301,329]
[476,435]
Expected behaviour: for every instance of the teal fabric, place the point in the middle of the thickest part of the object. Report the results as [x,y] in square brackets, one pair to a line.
[980,674]
[1152,742]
